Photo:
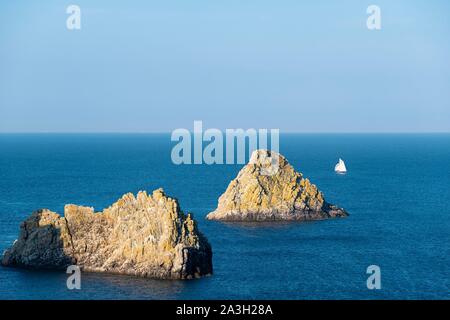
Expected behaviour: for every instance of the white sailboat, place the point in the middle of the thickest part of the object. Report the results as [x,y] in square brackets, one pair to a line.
[340,167]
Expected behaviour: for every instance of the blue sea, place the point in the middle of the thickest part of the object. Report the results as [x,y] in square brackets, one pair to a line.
[397,191]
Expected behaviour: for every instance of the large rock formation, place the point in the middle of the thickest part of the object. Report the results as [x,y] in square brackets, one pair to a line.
[264,192]
[146,236]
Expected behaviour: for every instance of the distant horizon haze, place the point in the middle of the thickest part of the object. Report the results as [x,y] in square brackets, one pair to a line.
[223,131]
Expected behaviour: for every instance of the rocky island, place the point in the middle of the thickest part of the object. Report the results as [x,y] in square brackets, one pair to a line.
[284,194]
[143,235]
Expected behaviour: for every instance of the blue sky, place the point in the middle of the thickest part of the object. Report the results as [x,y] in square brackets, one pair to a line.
[154,66]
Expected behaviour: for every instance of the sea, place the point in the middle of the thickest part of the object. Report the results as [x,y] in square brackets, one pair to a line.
[396,190]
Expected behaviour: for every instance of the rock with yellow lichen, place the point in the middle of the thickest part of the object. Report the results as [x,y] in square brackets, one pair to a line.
[265,192]
[143,235]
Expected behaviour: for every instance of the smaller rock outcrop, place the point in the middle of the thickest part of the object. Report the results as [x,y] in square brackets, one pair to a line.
[141,235]
[263,192]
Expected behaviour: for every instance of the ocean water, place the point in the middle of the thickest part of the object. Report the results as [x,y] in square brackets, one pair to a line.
[397,192]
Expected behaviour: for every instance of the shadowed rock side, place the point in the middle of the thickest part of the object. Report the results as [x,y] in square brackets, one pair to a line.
[147,236]
[284,195]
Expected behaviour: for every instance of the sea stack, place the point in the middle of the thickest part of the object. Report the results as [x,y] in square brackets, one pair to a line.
[260,193]
[143,235]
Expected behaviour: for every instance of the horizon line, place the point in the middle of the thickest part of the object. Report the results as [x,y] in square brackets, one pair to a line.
[169,132]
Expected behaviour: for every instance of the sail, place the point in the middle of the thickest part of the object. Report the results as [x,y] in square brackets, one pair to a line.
[340,166]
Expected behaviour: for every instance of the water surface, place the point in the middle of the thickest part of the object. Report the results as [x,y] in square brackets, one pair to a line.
[396,191]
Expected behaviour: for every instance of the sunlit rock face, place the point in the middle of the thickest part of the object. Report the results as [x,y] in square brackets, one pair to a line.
[263,191]
[143,235]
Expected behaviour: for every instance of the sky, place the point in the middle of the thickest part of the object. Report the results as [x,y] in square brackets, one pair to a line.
[155,66]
